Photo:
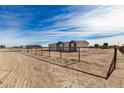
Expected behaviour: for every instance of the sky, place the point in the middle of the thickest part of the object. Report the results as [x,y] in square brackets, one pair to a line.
[25,25]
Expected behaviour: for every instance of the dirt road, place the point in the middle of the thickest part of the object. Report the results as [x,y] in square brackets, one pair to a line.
[17,70]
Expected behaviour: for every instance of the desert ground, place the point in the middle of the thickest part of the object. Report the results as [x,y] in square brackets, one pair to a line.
[28,70]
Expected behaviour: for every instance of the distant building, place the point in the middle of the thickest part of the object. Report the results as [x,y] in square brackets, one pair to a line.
[33,46]
[68,46]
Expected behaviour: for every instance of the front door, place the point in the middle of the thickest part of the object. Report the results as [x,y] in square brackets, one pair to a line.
[72,46]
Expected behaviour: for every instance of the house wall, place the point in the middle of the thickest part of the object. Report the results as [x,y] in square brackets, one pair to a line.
[52,46]
[66,46]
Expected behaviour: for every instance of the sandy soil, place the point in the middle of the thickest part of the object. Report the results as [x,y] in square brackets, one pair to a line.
[19,70]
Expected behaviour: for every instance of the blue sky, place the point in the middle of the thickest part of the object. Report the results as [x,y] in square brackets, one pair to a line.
[21,25]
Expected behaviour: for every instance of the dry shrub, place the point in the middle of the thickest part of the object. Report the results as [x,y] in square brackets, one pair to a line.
[121,49]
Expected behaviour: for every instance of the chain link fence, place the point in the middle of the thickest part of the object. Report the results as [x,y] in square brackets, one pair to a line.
[83,58]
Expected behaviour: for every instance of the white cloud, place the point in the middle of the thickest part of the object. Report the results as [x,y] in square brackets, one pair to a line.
[12,37]
[102,20]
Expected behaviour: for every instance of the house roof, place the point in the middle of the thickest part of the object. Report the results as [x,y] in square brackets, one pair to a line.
[71,41]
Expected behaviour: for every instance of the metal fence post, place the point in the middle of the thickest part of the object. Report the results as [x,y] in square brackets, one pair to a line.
[60,55]
[49,51]
[27,50]
[36,52]
[31,51]
[41,51]
[79,55]
[113,64]
[115,56]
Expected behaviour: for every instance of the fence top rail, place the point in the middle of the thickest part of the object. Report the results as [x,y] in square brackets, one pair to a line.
[68,47]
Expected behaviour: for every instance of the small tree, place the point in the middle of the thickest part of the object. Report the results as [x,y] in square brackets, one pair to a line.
[96,45]
[2,46]
[105,44]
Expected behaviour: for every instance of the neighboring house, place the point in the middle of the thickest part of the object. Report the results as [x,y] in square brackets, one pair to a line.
[68,46]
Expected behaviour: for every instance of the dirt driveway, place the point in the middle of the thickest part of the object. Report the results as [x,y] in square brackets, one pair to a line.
[17,70]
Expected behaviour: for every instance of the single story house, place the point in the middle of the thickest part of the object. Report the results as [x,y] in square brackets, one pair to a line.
[68,46]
